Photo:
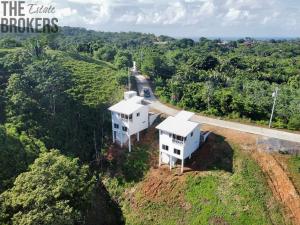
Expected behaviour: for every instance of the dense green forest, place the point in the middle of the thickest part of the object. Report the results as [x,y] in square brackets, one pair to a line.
[233,79]
[55,90]
[51,99]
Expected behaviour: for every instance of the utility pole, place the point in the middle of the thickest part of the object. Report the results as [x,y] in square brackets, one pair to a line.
[274,95]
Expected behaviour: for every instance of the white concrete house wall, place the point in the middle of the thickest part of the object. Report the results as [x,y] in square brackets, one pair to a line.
[178,138]
[129,117]
[192,142]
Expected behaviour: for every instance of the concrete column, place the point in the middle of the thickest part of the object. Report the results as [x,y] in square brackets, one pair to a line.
[122,138]
[190,156]
[170,159]
[182,165]
[129,143]
[138,136]
[112,125]
[128,131]
[113,134]
[159,162]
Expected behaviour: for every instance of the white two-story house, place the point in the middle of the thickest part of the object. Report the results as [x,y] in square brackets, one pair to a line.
[129,117]
[178,138]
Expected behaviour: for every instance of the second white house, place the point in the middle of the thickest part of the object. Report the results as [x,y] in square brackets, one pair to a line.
[178,138]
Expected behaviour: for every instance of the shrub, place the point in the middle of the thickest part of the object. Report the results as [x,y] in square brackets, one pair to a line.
[294,122]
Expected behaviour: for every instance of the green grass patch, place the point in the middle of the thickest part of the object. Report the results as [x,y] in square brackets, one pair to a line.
[136,164]
[96,82]
[212,197]
[127,171]
[154,213]
[5,51]
[240,198]
[294,169]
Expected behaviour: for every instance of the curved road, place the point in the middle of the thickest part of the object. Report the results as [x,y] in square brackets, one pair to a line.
[142,83]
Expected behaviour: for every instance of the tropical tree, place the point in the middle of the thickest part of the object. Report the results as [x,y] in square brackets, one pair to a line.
[17,152]
[55,190]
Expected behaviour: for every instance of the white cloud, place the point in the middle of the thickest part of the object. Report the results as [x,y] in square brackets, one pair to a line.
[207,8]
[65,12]
[268,19]
[232,14]
[186,12]
[186,17]
[249,4]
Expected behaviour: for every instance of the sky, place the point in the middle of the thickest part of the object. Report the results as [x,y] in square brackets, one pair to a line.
[184,18]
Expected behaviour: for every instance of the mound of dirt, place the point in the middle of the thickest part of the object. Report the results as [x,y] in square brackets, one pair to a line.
[160,185]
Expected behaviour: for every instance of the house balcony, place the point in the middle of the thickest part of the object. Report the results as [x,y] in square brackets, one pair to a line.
[175,141]
[126,120]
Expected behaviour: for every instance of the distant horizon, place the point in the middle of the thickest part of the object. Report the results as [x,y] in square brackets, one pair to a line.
[185,18]
[198,37]
[182,18]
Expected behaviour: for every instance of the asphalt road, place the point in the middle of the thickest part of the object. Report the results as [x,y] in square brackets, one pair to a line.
[142,83]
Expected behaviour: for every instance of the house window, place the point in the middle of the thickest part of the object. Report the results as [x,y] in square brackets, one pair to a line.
[116,126]
[165,147]
[177,151]
[138,115]
[192,134]
[124,129]
[163,132]
[178,138]
[130,116]
[123,116]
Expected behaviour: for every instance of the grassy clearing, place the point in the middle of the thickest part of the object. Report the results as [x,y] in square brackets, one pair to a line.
[206,197]
[96,82]
[239,198]
[294,169]
[213,198]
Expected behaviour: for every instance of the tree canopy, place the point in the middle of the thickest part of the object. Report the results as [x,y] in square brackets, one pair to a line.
[54,191]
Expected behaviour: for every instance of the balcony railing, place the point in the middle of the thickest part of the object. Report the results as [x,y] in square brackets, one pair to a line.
[177,141]
[126,119]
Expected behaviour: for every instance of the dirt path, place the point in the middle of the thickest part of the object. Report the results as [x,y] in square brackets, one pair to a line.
[280,184]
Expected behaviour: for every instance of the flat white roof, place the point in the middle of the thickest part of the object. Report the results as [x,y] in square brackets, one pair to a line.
[130,92]
[178,125]
[184,115]
[135,99]
[126,107]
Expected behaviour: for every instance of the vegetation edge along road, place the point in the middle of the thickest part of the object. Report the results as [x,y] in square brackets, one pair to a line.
[142,83]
